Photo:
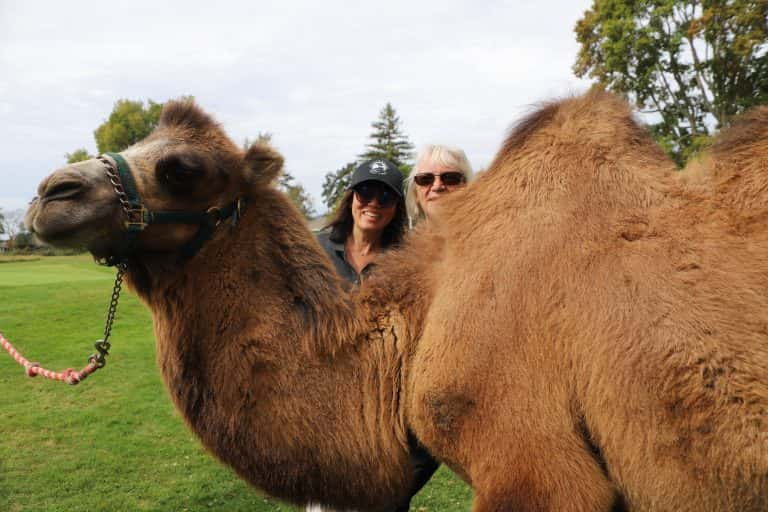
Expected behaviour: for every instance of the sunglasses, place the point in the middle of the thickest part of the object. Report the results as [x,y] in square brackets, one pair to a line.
[367,192]
[449,179]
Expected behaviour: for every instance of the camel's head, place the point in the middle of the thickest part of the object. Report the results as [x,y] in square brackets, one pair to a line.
[183,172]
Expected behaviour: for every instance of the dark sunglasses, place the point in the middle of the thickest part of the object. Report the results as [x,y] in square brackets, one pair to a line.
[449,179]
[367,192]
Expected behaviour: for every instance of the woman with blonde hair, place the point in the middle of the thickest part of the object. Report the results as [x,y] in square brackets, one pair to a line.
[439,170]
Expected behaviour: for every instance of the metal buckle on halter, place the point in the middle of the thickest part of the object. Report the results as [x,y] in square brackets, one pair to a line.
[137,219]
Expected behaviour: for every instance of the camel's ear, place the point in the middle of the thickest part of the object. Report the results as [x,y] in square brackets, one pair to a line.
[262,163]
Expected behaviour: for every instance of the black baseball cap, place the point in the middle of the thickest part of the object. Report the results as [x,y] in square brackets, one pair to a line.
[381,170]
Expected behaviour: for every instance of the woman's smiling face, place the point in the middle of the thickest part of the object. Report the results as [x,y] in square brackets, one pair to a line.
[371,215]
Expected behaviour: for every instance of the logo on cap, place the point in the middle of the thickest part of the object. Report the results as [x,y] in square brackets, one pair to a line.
[379,168]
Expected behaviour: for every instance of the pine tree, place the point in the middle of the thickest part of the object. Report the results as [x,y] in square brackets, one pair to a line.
[388,140]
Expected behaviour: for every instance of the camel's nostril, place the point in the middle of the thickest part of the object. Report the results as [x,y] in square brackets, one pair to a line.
[61,189]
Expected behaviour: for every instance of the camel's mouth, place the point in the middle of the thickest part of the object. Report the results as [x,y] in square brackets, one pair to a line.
[54,224]
[75,207]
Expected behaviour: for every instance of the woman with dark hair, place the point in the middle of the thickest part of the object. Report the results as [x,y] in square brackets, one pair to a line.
[369,220]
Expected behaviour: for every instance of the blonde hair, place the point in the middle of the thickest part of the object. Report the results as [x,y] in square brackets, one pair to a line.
[447,156]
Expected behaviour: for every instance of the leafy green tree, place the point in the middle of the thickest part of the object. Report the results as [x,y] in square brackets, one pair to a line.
[78,155]
[129,122]
[388,140]
[335,184]
[2,223]
[694,63]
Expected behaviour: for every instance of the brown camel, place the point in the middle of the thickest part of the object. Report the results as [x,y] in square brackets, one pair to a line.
[587,332]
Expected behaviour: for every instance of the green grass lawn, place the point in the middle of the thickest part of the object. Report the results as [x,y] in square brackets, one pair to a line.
[114,442]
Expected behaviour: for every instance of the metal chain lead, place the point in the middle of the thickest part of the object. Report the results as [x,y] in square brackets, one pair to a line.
[102,346]
[117,185]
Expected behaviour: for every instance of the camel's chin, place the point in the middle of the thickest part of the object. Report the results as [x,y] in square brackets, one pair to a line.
[62,237]
[65,224]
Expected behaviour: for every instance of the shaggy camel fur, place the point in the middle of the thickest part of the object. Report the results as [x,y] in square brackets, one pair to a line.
[586,331]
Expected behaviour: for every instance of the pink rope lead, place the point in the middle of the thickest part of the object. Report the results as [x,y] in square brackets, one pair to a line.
[70,376]
[96,361]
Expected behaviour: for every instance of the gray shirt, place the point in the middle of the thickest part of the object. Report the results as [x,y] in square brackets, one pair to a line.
[338,256]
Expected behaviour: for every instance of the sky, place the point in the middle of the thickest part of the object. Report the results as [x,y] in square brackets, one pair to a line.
[314,74]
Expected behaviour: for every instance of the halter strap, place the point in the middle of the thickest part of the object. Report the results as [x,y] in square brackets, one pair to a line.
[139,217]
[126,178]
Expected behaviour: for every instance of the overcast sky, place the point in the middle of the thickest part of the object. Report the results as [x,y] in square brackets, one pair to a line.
[313,73]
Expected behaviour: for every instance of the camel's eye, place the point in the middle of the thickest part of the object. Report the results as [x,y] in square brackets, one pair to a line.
[180,172]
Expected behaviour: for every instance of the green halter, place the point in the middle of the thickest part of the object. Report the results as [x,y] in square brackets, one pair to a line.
[138,217]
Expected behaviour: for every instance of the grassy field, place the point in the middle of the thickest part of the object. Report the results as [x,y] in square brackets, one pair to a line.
[114,442]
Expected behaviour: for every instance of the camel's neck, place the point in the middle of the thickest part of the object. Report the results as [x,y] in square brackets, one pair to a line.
[278,369]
